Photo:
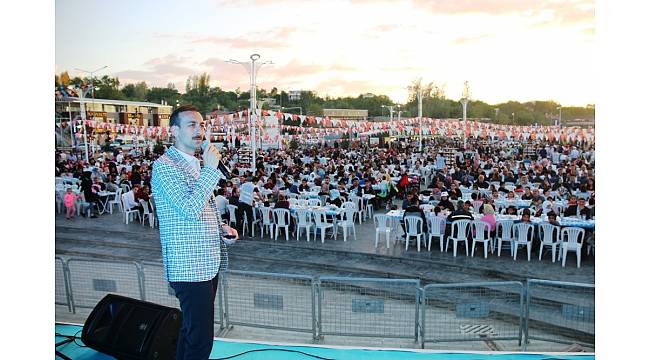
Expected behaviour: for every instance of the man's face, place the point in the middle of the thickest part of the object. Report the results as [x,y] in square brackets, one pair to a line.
[190,132]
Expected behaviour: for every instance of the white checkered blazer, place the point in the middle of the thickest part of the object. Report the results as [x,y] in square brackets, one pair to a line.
[190,222]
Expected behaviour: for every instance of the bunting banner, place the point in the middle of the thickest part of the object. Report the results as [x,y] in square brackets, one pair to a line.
[272,125]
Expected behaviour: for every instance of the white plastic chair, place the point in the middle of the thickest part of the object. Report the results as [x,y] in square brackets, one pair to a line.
[413,225]
[320,218]
[360,210]
[369,209]
[477,205]
[436,227]
[267,221]
[549,235]
[346,223]
[128,213]
[313,202]
[459,227]
[481,231]
[232,214]
[382,226]
[572,238]
[303,217]
[152,206]
[523,236]
[58,196]
[146,214]
[292,196]
[302,202]
[115,201]
[505,235]
[323,200]
[281,217]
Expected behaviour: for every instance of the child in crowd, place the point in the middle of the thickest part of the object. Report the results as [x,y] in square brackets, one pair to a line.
[69,200]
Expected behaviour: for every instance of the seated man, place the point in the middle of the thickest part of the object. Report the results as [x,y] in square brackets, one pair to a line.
[411,206]
[462,212]
[579,210]
[304,186]
[445,203]
[130,201]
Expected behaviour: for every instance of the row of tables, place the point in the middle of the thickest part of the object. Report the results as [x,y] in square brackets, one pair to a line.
[563,221]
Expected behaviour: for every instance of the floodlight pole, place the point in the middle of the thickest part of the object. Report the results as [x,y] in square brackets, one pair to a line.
[252,109]
[420,114]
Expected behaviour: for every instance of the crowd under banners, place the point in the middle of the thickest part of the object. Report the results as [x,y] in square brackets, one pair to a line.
[270,133]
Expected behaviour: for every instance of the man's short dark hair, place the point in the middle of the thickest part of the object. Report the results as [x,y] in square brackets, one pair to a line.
[174,117]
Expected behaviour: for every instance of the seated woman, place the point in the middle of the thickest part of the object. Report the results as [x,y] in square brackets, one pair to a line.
[489,217]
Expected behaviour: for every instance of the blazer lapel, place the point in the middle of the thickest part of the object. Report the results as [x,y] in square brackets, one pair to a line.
[183,163]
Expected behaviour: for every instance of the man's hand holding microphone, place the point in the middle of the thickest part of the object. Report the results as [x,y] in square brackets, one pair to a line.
[212,158]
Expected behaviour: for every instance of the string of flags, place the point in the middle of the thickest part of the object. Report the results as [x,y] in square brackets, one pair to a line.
[272,125]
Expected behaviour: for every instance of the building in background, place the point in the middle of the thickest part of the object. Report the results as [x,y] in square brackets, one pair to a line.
[346,114]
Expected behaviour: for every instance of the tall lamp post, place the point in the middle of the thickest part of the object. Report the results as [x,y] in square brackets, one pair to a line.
[496,117]
[92,77]
[92,92]
[560,120]
[252,109]
[420,114]
[82,110]
[513,118]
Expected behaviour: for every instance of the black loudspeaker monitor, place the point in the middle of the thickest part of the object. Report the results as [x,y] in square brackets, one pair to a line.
[132,329]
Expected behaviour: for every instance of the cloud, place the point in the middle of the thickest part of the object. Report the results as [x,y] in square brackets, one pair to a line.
[230,76]
[275,38]
[160,71]
[343,87]
[470,39]
[563,12]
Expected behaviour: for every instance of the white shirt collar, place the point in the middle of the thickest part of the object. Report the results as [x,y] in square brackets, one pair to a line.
[193,161]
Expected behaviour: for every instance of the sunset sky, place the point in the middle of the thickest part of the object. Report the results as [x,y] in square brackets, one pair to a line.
[508,50]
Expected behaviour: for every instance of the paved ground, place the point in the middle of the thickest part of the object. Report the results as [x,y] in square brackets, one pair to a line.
[108,236]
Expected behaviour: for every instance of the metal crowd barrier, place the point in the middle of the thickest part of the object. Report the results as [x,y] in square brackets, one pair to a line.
[91,279]
[267,300]
[473,312]
[368,307]
[549,311]
[61,287]
[560,312]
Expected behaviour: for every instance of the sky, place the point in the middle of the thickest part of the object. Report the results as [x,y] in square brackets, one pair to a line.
[518,50]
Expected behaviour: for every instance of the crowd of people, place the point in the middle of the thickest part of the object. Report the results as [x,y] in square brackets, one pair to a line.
[497,171]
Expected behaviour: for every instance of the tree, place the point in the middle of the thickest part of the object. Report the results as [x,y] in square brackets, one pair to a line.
[64,79]
[140,91]
[157,95]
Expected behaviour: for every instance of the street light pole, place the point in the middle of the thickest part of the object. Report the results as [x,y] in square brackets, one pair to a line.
[82,105]
[252,110]
[560,120]
[496,118]
[92,77]
[513,118]
[420,114]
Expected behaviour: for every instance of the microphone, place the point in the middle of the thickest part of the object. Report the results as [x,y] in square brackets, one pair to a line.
[222,167]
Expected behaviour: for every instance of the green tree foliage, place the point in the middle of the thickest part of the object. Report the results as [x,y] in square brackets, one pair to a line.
[435,103]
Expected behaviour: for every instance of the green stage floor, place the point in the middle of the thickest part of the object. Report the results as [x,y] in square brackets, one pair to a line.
[230,349]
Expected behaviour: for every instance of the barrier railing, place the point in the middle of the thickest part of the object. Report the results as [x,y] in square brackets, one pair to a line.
[268,300]
[560,312]
[545,311]
[386,308]
[473,312]
[91,279]
[61,285]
